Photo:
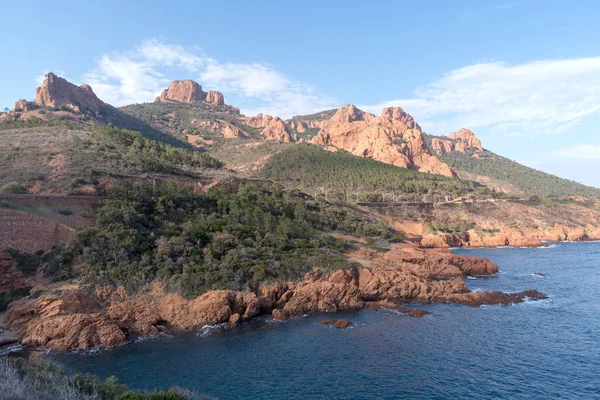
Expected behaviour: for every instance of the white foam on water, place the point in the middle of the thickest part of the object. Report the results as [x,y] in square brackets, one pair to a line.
[11,349]
[208,330]
[543,303]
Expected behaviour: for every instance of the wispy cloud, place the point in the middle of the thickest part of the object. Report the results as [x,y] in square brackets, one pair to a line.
[580,152]
[140,75]
[538,97]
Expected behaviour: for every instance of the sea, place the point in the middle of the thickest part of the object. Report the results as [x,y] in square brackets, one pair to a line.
[547,349]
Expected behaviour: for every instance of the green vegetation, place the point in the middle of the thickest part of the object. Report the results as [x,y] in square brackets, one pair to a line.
[348,177]
[50,260]
[41,379]
[182,119]
[309,133]
[530,180]
[235,234]
[8,297]
[62,159]
[154,155]
[13,188]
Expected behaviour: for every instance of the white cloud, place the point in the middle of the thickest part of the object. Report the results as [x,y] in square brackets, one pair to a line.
[140,75]
[580,152]
[538,97]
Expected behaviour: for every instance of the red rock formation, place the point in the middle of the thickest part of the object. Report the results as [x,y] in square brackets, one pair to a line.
[56,91]
[21,106]
[273,127]
[188,91]
[337,323]
[461,142]
[81,321]
[389,305]
[393,138]
[214,98]
[468,138]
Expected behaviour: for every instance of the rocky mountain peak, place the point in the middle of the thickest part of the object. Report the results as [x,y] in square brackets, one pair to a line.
[468,137]
[273,127]
[394,138]
[398,114]
[56,91]
[348,113]
[461,142]
[188,91]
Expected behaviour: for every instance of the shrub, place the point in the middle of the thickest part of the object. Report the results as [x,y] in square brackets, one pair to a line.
[13,188]
[65,211]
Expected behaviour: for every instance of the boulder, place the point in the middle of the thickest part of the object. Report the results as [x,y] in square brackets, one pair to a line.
[188,91]
[56,92]
[337,323]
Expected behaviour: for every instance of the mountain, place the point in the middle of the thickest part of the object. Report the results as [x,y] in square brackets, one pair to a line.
[464,152]
[202,119]
[184,115]
[58,99]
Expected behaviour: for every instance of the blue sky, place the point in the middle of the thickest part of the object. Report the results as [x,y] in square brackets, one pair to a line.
[523,75]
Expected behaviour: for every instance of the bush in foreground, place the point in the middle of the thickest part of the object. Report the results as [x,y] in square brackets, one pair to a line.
[22,379]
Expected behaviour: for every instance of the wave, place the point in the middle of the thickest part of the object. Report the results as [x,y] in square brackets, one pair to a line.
[208,330]
[12,349]
[552,246]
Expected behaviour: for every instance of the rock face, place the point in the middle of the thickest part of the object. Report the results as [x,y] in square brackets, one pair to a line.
[188,91]
[80,320]
[393,138]
[21,105]
[56,91]
[273,127]
[461,142]
[337,323]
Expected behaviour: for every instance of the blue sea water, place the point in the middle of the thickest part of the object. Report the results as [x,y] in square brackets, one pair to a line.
[536,350]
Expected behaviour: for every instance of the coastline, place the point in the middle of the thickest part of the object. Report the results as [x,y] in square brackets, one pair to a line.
[79,320]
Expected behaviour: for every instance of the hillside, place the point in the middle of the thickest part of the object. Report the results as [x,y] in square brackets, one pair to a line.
[56,157]
[347,177]
[59,100]
[530,180]
[464,153]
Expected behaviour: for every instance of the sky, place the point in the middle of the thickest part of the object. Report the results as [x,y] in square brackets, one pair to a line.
[523,75]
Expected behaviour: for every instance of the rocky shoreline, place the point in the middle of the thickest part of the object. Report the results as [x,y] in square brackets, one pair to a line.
[80,320]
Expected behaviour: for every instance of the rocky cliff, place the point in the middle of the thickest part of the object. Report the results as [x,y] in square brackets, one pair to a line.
[108,317]
[188,91]
[273,128]
[461,141]
[56,92]
[394,138]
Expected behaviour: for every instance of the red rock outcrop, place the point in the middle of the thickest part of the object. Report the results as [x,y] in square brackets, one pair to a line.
[56,91]
[21,105]
[188,91]
[214,98]
[78,320]
[394,138]
[273,127]
[337,323]
[460,141]
[468,138]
